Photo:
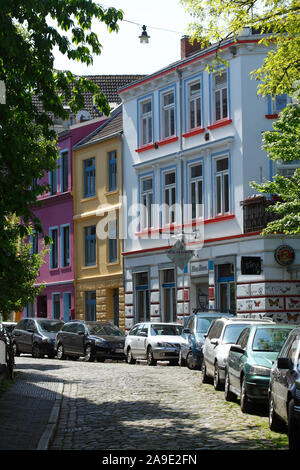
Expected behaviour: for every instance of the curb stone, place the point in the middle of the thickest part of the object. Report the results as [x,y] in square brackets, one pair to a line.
[48,434]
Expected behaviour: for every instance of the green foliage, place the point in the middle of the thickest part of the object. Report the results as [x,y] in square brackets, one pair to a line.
[215,20]
[284,144]
[27,140]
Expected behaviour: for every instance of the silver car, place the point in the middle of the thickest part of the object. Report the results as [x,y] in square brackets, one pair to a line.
[221,335]
[154,342]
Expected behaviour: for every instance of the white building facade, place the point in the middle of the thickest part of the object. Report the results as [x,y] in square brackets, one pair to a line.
[191,145]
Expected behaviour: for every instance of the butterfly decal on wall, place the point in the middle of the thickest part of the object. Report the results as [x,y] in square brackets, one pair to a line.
[257,303]
[294,301]
[292,317]
[273,302]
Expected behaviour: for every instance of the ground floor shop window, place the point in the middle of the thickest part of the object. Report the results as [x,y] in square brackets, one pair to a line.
[90,306]
[56,306]
[142,297]
[41,306]
[116,306]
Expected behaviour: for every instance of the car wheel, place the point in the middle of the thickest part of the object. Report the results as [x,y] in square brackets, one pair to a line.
[245,403]
[51,356]
[60,352]
[217,383]
[88,355]
[205,378]
[129,357]
[100,359]
[293,428]
[190,361]
[229,396]
[36,351]
[181,361]
[150,359]
[16,350]
[275,423]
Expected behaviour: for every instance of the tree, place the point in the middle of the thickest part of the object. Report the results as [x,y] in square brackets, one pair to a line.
[27,140]
[215,20]
[283,144]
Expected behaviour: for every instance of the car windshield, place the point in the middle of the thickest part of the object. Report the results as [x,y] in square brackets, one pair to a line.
[50,326]
[232,332]
[166,330]
[105,330]
[269,339]
[203,324]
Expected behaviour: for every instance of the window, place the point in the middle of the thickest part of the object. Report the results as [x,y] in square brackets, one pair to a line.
[112,171]
[194,105]
[35,244]
[56,306]
[215,330]
[30,309]
[90,306]
[168,114]
[112,241]
[169,197]
[220,96]
[64,172]
[287,169]
[53,182]
[196,190]
[146,136]
[89,177]
[221,185]
[279,103]
[65,245]
[146,202]
[54,248]
[90,245]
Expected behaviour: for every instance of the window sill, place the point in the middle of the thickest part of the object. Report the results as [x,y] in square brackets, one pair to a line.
[271,116]
[145,148]
[88,198]
[111,193]
[219,218]
[169,140]
[198,130]
[217,124]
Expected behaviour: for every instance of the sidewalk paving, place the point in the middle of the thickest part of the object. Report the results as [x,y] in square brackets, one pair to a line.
[29,409]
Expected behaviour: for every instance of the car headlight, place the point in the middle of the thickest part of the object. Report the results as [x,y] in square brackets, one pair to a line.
[260,370]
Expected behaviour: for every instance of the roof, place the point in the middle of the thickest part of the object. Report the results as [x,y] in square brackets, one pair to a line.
[110,128]
[108,84]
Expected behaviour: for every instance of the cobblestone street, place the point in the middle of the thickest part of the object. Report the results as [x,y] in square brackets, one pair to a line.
[120,406]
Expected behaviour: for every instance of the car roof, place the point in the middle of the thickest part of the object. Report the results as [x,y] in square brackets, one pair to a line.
[213,314]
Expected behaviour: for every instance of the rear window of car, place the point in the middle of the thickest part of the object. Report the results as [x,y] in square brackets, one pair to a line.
[232,332]
[166,330]
[203,324]
[105,330]
[50,326]
[269,339]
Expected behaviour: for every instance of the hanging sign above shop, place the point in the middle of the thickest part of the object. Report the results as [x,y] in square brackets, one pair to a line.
[179,254]
[284,255]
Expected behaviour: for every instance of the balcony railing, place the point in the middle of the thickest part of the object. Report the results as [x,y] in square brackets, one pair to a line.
[256,217]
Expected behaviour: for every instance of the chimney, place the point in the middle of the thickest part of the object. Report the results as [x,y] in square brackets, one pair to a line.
[188,48]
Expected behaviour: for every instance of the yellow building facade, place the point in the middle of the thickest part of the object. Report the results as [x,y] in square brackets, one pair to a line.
[97,183]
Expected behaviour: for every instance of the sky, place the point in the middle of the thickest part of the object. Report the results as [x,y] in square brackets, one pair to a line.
[122,52]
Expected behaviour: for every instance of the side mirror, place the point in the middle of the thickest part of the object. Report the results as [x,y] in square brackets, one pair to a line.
[143,333]
[31,330]
[284,363]
[238,349]
[187,331]
[214,341]
[81,333]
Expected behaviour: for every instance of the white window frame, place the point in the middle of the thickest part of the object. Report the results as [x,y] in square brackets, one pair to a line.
[218,89]
[199,200]
[146,195]
[192,104]
[222,174]
[166,116]
[145,137]
[286,169]
[169,211]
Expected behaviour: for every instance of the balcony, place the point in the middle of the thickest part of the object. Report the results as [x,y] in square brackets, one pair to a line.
[256,216]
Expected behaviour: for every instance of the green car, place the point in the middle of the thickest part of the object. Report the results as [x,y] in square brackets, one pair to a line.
[249,363]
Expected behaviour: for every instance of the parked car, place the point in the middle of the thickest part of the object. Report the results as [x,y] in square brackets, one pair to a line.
[221,335]
[195,328]
[250,360]
[91,340]
[284,390]
[154,341]
[36,336]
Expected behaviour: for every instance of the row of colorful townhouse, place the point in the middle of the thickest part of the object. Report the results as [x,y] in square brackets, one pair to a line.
[176,157]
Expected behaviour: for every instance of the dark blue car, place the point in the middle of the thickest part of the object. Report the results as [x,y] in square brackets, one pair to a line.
[284,390]
[194,330]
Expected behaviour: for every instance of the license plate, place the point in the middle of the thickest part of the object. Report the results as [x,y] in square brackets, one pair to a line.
[119,350]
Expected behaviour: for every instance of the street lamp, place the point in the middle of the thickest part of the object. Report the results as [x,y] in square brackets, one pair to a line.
[144,38]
